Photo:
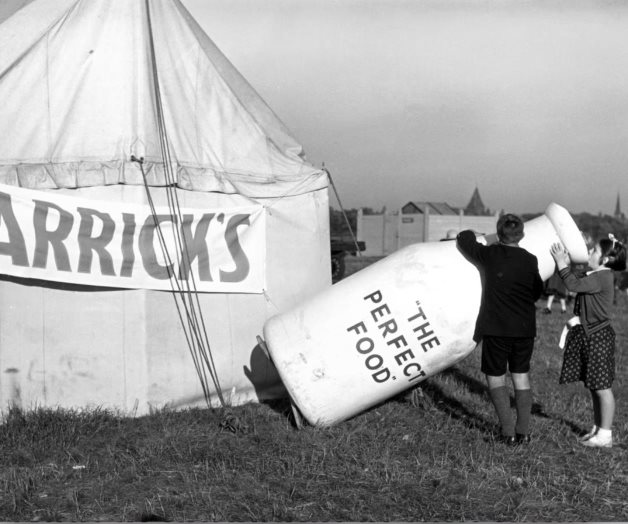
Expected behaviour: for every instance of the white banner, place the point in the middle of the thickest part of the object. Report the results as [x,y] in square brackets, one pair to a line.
[50,236]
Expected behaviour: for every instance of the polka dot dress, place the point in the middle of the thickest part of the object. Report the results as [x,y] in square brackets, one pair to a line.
[589,359]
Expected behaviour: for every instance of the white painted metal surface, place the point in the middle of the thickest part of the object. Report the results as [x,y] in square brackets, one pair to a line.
[391,325]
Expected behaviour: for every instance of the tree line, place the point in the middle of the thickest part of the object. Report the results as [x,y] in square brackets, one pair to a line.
[596,226]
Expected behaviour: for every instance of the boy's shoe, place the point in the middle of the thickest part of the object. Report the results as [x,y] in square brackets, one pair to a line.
[588,435]
[547,311]
[517,440]
[508,440]
[598,441]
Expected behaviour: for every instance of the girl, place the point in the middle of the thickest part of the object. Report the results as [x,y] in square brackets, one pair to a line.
[590,346]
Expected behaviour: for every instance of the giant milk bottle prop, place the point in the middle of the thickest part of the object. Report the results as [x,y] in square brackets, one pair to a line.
[393,324]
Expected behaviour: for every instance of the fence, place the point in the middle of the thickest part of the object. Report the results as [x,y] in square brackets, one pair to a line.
[387,232]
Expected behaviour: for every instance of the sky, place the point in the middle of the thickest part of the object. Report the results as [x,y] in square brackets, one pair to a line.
[429,99]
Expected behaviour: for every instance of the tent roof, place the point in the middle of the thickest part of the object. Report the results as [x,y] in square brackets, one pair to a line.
[81,81]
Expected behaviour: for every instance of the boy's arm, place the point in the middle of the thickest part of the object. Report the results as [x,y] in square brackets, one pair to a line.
[469,246]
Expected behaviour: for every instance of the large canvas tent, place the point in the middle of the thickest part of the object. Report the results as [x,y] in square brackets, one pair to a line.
[115,113]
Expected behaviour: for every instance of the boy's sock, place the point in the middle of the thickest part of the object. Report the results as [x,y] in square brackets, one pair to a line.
[501,401]
[523,403]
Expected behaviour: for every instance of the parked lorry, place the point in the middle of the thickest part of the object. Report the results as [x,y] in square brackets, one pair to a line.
[340,247]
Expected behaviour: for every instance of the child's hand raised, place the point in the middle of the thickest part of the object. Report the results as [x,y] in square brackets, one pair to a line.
[560,255]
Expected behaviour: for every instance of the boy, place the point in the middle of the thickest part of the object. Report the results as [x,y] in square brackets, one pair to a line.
[506,323]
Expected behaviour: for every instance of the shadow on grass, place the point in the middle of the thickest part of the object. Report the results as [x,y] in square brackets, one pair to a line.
[453,407]
[457,410]
[264,377]
[538,411]
[443,401]
[285,408]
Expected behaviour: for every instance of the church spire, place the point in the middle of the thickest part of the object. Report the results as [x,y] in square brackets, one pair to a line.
[475,207]
[618,213]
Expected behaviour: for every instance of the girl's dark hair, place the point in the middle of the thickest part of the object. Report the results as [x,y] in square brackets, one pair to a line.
[615,251]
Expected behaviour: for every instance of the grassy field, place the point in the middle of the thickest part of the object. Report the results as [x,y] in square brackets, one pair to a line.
[425,455]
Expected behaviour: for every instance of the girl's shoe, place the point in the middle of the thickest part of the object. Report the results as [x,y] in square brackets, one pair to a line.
[599,441]
[588,435]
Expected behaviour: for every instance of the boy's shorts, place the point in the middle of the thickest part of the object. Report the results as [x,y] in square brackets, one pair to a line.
[501,354]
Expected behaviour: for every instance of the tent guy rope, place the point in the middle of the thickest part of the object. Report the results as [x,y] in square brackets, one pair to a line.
[344,214]
[183,290]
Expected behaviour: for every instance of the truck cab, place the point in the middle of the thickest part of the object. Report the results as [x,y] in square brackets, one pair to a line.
[340,247]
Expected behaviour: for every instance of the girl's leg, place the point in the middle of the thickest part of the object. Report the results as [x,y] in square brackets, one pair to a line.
[550,301]
[563,305]
[606,402]
[597,413]
[596,417]
[603,414]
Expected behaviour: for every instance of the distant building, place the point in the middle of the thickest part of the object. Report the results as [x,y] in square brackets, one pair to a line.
[618,214]
[476,207]
[433,208]
[415,221]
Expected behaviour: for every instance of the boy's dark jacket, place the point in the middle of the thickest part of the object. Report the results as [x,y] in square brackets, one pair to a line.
[511,285]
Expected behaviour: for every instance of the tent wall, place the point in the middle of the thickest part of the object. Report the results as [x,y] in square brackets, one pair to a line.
[70,346]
